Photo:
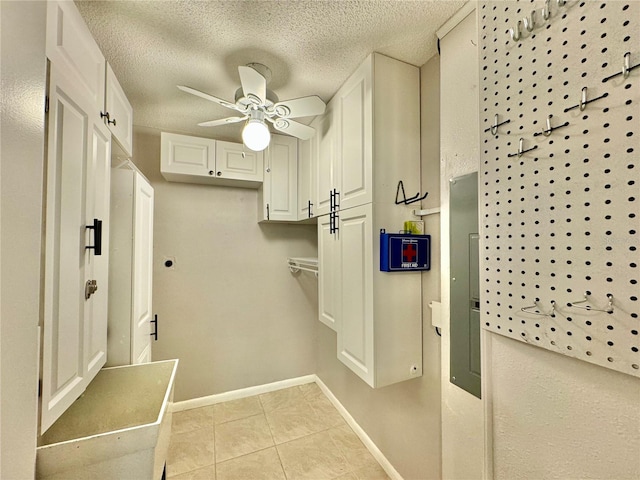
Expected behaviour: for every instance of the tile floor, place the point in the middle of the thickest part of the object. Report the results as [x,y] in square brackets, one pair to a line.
[290,434]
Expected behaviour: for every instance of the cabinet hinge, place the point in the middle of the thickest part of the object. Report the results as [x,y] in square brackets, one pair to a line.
[40,388]
[46,104]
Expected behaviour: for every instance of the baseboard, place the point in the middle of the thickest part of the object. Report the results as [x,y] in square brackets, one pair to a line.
[372,447]
[241,393]
[294,382]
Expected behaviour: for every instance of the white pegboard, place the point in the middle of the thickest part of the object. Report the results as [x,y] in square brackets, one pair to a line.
[563,218]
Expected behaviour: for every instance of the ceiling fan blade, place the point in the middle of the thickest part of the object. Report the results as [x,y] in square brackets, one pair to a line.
[206,96]
[295,129]
[254,85]
[300,107]
[222,121]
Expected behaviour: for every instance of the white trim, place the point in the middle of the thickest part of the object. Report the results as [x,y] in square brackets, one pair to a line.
[373,449]
[457,17]
[241,393]
[487,400]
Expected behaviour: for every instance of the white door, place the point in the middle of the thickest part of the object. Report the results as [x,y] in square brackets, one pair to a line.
[97,266]
[305,209]
[186,155]
[354,107]
[281,178]
[326,159]
[73,347]
[356,328]
[328,274]
[234,160]
[142,271]
[120,120]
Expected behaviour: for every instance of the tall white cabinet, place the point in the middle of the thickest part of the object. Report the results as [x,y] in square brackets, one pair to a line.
[368,141]
[78,159]
[131,268]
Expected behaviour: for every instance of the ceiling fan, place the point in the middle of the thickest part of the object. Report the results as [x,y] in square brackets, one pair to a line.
[256,104]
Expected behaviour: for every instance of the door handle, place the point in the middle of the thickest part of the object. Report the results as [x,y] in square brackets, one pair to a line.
[154,334]
[97,237]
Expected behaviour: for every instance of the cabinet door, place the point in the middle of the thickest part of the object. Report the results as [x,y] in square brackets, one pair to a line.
[235,161]
[71,48]
[74,337]
[142,271]
[97,266]
[280,194]
[356,328]
[354,139]
[120,120]
[186,155]
[326,152]
[328,274]
[306,163]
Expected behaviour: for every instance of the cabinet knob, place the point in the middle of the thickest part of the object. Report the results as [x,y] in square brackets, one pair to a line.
[219,174]
[112,122]
[210,172]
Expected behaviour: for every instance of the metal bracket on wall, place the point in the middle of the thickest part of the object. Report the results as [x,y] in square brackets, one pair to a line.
[425,212]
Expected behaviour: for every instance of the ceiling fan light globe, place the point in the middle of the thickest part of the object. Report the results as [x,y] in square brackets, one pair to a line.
[256,135]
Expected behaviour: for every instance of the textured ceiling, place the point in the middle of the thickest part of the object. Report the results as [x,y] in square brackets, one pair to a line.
[311,47]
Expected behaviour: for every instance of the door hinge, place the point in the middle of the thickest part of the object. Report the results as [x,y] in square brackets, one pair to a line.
[46,104]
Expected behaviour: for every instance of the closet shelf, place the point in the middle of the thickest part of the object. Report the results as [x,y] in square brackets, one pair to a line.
[307,264]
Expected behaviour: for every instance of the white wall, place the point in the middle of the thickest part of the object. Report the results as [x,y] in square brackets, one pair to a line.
[403,420]
[230,309]
[558,417]
[462,413]
[21,149]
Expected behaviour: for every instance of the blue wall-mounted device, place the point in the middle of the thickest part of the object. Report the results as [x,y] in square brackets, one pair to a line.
[404,252]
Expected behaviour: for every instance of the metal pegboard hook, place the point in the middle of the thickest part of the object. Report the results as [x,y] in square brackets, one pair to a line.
[626,68]
[521,150]
[535,306]
[494,128]
[607,309]
[546,11]
[546,132]
[515,32]
[583,100]
[530,21]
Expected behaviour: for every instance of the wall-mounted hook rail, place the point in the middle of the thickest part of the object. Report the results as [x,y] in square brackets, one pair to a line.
[494,128]
[584,102]
[626,68]
[520,151]
[546,132]
[407,201]
[536,310]
[607,309]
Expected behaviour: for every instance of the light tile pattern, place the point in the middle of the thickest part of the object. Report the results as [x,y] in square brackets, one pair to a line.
[290,434]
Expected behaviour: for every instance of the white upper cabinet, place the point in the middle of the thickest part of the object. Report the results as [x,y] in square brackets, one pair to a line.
[186,159]
[344,147]
[278,194]
[235,161]
[118,113]
[202,160]
[71,48]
